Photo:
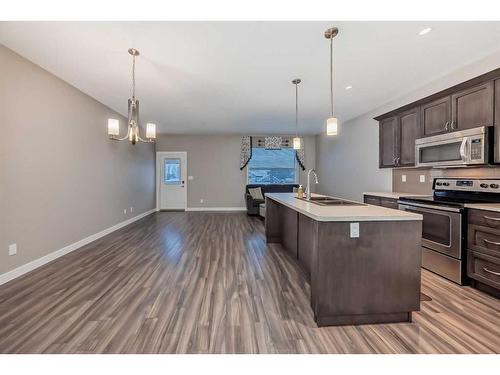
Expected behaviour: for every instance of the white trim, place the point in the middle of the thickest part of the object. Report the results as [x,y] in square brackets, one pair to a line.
[19,271]
[159,154]
[216,209]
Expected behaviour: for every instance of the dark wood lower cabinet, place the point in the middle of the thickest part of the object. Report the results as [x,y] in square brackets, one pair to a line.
[374,278]
[381,201]
[483,245]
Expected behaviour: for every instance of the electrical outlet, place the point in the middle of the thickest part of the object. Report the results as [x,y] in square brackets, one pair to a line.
[201,200]
[13,249]
[131,209]
[190,177]
[354,230]
[403,178]
[125,211]
[422,178]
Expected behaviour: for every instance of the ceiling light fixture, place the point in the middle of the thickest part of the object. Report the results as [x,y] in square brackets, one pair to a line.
[348,87]
[297,141]
[133,116]
[331,122]
[427,30]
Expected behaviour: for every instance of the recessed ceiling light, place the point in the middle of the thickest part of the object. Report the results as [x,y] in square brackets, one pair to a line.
[427,30]
[348,87]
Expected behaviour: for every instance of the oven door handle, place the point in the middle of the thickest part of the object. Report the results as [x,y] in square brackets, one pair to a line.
[463,147]
[404,205]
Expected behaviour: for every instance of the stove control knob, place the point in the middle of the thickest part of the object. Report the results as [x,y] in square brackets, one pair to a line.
[484,185]
[494,186]
[446,184]
[439,183]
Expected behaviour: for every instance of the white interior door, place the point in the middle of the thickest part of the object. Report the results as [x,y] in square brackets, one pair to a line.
[172,184]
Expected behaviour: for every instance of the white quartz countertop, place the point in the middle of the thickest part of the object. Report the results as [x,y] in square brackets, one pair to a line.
[393,194]
[484,206]
[362,212]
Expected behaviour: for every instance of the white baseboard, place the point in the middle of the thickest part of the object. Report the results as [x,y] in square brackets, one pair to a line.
[216,209]
[19,271]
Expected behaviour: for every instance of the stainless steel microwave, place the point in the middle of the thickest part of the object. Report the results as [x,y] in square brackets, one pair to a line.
[461,148]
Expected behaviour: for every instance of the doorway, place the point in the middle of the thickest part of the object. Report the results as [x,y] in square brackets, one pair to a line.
[171,186]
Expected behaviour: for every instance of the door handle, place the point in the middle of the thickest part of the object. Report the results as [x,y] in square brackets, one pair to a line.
[462,150]
[492,272]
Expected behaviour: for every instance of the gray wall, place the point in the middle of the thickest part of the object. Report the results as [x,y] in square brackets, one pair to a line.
[213,161]
[348,163]
[61,179]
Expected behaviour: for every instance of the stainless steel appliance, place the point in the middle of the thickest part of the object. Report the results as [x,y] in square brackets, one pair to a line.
[444,226]
[461,148]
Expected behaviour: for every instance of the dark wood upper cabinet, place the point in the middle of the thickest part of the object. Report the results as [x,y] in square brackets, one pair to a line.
[497,120]
[409,130]
[472,107]
[387,142]
[436,117]
[470,104]
[397,139]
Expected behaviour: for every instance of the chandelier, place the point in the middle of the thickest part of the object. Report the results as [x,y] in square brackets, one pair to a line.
[133,116]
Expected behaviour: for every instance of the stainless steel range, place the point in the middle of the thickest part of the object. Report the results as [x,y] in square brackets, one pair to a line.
[444,226]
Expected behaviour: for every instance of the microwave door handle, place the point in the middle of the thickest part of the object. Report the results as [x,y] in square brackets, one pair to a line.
[463,146]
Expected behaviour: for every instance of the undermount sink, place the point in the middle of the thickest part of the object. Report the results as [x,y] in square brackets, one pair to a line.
[330,201]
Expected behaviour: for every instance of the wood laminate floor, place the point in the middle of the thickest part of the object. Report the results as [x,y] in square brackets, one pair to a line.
[208,283]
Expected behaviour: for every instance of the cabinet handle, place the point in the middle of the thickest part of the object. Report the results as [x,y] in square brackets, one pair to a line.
[492,272]
[397,160]
[491,218]
[491,242]
[446,125]
[453,125]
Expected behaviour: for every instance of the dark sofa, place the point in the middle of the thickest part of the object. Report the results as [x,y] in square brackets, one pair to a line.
[253,204]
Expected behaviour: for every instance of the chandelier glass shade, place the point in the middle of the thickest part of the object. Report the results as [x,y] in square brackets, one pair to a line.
[133,128]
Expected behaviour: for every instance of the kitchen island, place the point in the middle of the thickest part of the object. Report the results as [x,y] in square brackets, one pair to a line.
[362,261]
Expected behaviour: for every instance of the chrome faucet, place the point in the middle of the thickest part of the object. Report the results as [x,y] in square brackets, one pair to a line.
[308,187]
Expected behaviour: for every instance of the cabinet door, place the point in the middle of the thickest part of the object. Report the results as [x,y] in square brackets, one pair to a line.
[409,130]
[497,121]
[472,107]
[436,117]
[387,142]
[369,199]
[389,203]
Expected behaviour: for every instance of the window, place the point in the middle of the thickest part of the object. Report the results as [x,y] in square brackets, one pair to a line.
[172,171]
[272,166]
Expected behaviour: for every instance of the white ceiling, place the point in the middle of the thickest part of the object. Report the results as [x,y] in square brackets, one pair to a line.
[235,77]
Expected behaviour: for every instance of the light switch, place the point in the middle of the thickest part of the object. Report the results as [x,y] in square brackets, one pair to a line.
[13,249]
[190,177]
[422,178]
[403,178]
[354,230]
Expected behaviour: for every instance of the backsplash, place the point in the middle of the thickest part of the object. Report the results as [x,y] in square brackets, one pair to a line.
[413,175]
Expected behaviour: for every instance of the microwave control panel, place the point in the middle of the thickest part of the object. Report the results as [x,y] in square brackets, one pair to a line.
[476,148]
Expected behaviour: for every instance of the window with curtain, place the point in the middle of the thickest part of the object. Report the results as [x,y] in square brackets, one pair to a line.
[272,166]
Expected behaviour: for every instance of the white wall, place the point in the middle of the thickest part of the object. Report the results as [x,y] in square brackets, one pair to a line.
[347,164]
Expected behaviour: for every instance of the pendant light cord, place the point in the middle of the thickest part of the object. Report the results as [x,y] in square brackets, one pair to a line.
[133,77]
[331,75]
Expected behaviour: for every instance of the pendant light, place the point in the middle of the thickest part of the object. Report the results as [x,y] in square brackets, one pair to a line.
[331,122]
[133,116]
[297,141]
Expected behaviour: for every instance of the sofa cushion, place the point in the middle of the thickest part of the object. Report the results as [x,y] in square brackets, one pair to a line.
[256,193]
